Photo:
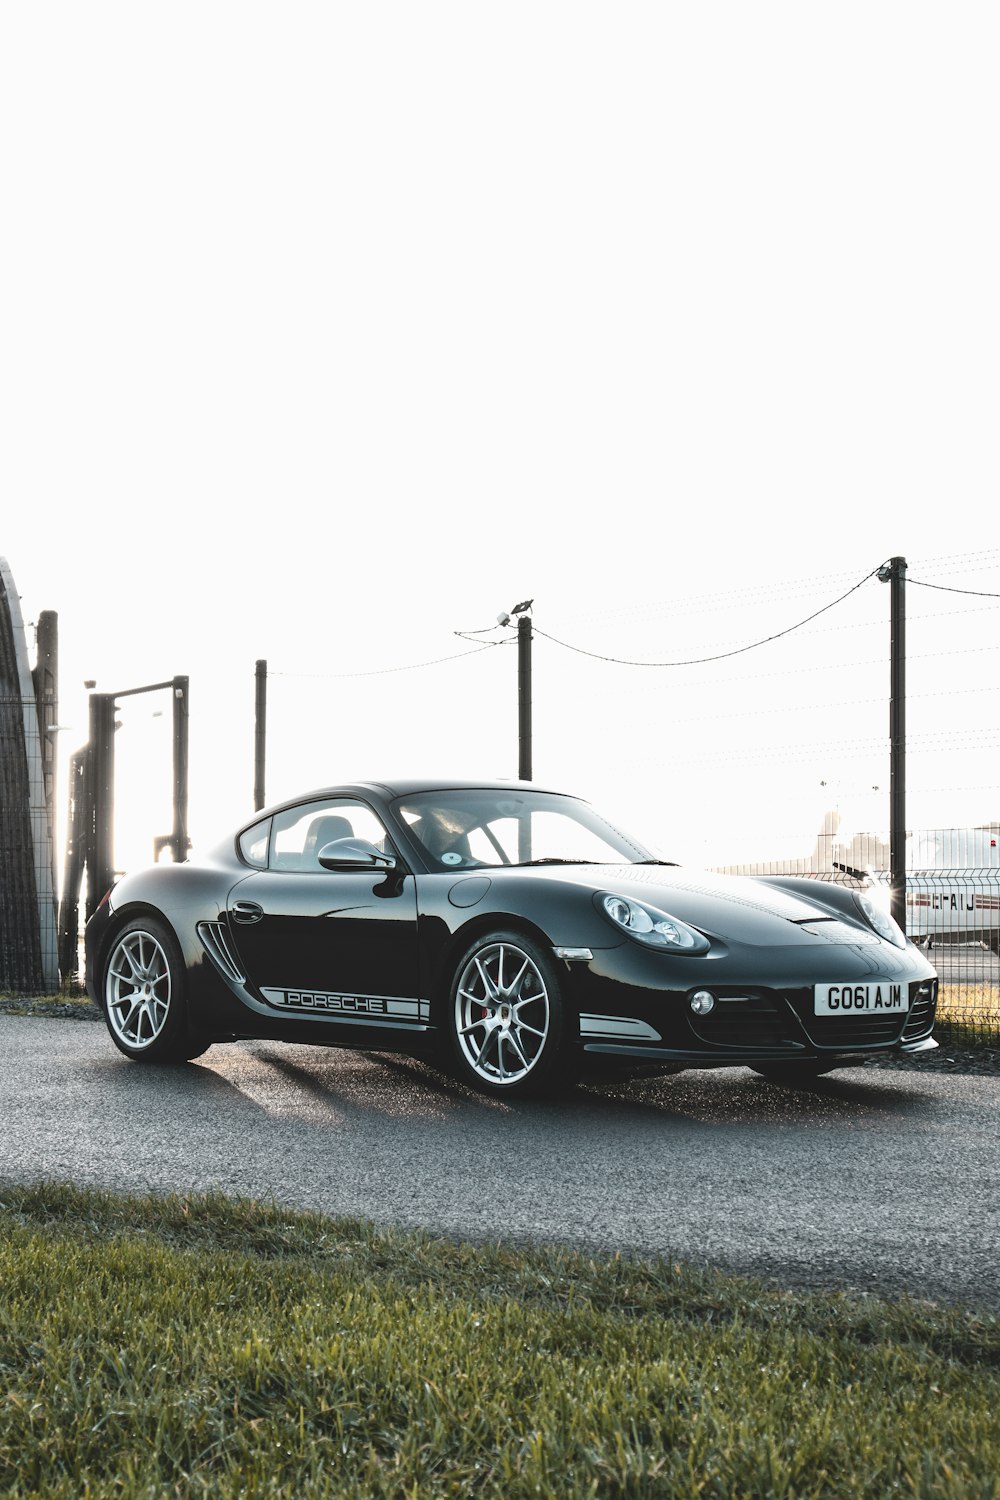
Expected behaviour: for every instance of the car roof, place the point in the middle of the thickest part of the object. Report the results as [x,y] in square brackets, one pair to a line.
[407,787]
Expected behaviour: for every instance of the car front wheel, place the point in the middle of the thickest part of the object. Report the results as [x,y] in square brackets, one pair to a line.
[143,994]
[510,1030]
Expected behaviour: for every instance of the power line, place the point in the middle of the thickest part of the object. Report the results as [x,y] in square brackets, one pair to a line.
[751,596]
[408,667]
[616,660]
[948,589]
[719,656]
[982,560]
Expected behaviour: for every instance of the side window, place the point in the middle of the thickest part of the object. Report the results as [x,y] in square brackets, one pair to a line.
[368,827]
[301,832]
[253,844]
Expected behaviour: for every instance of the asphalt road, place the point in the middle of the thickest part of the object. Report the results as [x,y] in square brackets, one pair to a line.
[874,1180]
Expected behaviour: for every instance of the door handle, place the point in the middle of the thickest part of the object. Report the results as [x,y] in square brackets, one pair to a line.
[246,911]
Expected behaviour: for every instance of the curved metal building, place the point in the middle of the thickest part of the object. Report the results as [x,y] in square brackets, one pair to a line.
[28,926]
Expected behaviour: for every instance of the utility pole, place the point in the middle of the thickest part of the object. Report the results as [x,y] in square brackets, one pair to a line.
[260,734]
[523,613]
[524,696]
[179,841]
[894,573]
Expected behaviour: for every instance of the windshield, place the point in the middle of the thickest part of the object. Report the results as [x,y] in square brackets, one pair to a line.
[478,827]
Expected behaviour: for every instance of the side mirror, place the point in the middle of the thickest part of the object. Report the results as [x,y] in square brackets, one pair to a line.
[354,854]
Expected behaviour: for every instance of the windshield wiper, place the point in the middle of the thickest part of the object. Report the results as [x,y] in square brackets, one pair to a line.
[672,862]
[552,859]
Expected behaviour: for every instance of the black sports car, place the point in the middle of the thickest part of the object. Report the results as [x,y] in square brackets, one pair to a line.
[509,933]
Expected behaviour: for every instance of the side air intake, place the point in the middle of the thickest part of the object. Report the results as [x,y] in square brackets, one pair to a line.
[216,944]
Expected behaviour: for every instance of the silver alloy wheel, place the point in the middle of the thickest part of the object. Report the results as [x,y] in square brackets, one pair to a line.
[502,1013]
[137,989]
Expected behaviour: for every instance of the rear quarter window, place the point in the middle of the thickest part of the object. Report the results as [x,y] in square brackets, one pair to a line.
[253,844]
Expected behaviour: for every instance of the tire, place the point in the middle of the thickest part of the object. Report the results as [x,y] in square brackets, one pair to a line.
[142,995]
[509,1027]
[795,1072]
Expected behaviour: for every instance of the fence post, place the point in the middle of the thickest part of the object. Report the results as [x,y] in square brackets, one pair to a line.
[101,796]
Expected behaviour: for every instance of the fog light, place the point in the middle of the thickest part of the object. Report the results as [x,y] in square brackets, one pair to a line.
[701,1002]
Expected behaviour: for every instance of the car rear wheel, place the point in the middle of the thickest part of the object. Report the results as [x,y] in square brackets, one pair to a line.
[143,995]
[510,1030]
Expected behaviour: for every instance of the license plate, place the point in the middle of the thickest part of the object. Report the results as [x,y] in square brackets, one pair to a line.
[854,999]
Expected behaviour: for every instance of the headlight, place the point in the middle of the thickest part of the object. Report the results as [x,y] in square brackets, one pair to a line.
[883,922]
[651,927]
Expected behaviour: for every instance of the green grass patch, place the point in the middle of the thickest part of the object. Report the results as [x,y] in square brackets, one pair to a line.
[35,1004]
[968,1015]
[974,1000]
[956,1033]
[179,1347]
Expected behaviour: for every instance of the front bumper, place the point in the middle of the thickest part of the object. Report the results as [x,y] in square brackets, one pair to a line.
[774,1021]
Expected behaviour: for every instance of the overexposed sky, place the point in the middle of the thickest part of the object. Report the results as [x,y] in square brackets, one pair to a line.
[328,331]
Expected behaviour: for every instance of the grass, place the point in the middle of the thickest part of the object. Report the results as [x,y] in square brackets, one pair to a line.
[187,1347]
[968,1015]
[38,1004]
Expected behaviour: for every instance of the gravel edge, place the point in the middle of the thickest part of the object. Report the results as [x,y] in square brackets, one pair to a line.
[66,1010]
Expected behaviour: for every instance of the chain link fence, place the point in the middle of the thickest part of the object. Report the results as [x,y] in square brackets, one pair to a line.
[27,900]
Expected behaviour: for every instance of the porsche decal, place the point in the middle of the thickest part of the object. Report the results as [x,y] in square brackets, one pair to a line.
[329,1003]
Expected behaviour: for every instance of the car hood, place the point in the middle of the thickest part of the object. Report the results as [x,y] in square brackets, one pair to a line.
[735,907]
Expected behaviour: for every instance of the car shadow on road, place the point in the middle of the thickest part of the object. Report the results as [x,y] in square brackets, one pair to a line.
[722,1096]
[368,1083]
[168,1082]
[737,1095]
[318,1084]
[326,1086]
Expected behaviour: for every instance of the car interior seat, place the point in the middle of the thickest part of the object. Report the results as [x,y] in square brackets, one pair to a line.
[323,830]
[443,843]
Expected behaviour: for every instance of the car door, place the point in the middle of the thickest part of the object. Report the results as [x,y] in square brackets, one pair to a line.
[335,943]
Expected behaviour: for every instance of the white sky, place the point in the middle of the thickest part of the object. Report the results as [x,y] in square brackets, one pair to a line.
[328,331]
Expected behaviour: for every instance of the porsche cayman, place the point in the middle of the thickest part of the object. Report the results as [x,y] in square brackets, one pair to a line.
[509,933]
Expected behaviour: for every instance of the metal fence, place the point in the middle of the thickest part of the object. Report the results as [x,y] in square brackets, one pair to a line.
[28,957]
[27,889]
[952,912]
